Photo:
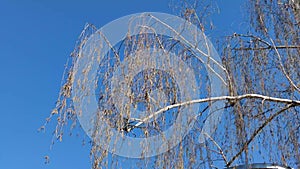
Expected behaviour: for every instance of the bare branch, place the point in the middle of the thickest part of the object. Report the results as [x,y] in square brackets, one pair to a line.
[271,46]
[257,131]
[156,36]
[217,145]
[197,49]
[282,67]
[110,45]
[253,37]
[268,48]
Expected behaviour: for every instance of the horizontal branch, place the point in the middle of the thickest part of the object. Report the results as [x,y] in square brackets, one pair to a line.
[219,98]
[253,37]
[267,48]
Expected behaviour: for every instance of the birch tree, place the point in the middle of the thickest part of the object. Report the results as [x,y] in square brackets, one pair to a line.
[260,120]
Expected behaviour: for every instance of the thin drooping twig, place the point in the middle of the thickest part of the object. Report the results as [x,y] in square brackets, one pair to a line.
[282,67]
[209,58]
[219,98]
[110,45]
[257,131]
[61,107]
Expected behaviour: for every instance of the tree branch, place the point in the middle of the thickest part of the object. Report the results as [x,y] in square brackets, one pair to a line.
[197,49]
[282,67]
[268,48]
[253,37]
[229,98]
[257,131]
[218,146]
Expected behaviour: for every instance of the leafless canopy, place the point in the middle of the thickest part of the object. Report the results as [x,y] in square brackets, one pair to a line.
[261,119]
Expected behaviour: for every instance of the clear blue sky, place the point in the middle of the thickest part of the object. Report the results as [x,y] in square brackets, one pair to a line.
[36,37]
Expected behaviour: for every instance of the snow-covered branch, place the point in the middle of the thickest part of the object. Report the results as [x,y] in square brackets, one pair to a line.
[219,98]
